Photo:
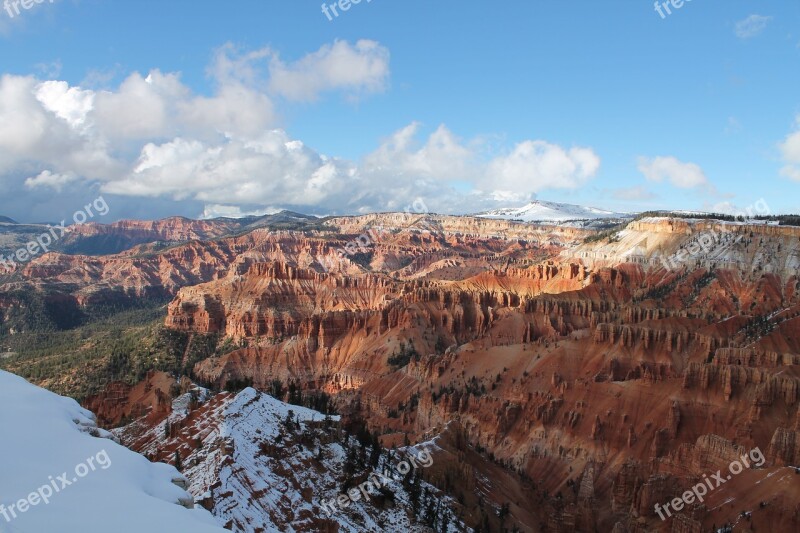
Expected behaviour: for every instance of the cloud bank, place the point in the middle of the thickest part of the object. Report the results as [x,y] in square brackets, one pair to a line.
[153,141]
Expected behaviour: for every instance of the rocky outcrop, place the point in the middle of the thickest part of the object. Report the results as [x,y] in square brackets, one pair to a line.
[121,402]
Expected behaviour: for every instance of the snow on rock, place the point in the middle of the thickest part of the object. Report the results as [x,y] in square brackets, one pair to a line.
[260,464]
[753,248]
[538,211]
[108,487]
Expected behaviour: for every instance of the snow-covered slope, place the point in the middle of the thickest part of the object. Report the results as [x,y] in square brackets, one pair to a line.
[52,450]
[538,211]
[261,469]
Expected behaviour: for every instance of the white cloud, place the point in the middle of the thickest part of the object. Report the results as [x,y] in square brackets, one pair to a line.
[23,121]
[537,165]
[269,169]
[43,126]
[758,208]
[152,137]
[677,173]
[233,211]
[70,104]
[751,26]
[790,150]
[141,108]
[357,69]
[49,179]
[532,166]
[234,109]
[231,64]
[441,157]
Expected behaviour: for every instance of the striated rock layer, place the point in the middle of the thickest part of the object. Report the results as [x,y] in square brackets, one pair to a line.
[598,381]
[595,378]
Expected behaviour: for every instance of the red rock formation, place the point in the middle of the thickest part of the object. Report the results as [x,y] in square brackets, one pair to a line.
[568,338]
[585,369]
[120,402]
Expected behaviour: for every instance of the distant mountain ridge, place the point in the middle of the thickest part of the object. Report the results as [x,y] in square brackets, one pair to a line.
[541,211]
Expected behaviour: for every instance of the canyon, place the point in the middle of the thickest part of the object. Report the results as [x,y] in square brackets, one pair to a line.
[571,378]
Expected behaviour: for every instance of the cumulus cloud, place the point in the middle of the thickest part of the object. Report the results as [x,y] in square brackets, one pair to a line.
[152,137]
[533,166]
[354,69]
[142,107]
[49,179]
[43,127]
[275,169]
[70,104]
[271,168]
[442,157]
[751,26]
[758,208]
[670,169]
[790,150]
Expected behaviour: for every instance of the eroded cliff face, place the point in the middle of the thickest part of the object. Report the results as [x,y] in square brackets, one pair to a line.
[673,244]
[437,246]
[174,229]
[120,402]
[597,378]
[605,387]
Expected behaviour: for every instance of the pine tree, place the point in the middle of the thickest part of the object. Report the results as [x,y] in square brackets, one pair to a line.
[276,389]
[414,493]
[375,456]
[289,422]
[503,513]
[445,522]
[351,462]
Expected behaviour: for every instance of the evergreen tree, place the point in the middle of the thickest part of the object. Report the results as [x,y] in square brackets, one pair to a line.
[276,389]
[445,523]
[503,513]
[289,422]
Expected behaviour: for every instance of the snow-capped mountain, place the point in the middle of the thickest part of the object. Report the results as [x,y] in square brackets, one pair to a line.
[539,211]
[61,473]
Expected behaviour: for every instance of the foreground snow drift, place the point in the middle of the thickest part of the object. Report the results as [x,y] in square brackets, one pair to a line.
[59,473]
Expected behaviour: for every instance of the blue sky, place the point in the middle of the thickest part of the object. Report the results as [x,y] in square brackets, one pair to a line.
[202,108]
